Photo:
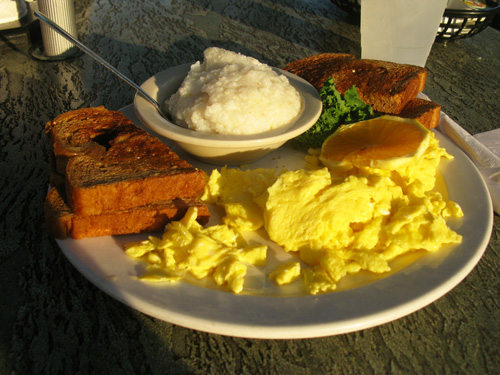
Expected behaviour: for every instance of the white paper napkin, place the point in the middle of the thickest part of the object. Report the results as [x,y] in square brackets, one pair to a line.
[490,139]
[484,151]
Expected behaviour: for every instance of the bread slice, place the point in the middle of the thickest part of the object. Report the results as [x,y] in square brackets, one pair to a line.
[62,222]
[109,164]
[99,185]
[386,86]
[425,111]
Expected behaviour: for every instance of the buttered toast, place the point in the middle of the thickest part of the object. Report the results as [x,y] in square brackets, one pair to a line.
[386,86]
[110,177]
[110,164]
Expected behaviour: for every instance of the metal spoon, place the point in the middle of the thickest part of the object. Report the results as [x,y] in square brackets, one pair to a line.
[99,59]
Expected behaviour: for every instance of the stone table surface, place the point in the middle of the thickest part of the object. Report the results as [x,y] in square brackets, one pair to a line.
[54,321]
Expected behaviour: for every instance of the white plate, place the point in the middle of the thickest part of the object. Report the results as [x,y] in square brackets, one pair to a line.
[364,302]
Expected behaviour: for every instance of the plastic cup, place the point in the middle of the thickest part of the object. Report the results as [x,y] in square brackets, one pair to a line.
[400,31]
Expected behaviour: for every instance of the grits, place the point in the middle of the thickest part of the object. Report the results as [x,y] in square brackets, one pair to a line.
[230,93]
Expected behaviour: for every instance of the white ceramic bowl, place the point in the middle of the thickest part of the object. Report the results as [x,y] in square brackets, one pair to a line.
[217,148]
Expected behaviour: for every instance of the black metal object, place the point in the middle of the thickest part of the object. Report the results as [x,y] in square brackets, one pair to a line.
[455,23]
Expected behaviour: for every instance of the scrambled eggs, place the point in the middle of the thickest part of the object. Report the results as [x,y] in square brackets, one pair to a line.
[341,227]
[186,246]
[336,224]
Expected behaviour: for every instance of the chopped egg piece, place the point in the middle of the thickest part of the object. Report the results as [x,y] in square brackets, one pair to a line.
[286,273]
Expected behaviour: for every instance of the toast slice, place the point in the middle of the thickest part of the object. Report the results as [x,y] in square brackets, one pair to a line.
[425,111]
[62,222]
[386,86]
[110,165]
[142,173]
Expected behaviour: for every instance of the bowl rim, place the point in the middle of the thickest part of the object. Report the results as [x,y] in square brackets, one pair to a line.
[173,77]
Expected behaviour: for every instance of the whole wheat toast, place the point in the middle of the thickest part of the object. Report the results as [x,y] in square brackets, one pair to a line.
[425,111]
[109,164]
[386,86]
[62,222]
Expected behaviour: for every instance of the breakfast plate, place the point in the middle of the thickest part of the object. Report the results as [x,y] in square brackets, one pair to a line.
[279,313]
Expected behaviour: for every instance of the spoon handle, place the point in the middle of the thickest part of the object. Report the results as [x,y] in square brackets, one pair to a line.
[99,59]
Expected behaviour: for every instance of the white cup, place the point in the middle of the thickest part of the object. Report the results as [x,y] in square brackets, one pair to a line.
[401,31]
[61,12]
[12,11]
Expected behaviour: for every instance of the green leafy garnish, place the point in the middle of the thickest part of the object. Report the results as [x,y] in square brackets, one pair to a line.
[337,110]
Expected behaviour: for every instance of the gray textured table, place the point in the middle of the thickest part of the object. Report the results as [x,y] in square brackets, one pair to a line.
[54,321]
